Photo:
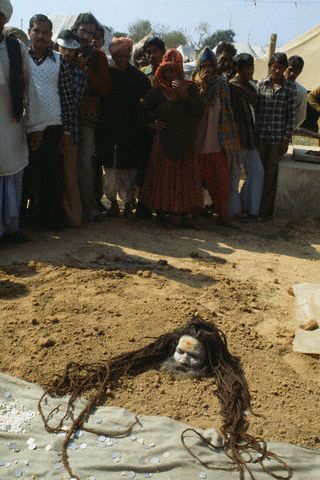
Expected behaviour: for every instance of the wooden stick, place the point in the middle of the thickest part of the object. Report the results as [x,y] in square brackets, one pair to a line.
[303,132]
[272,48]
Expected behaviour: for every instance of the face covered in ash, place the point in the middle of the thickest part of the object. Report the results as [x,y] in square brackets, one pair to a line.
[188,357]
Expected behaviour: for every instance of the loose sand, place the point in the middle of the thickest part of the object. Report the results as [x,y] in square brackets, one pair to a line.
[93,293]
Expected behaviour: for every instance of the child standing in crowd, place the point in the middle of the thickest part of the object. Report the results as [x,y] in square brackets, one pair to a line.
[154,49]
[98,39]
[295,67]
[274,125]
[218,143]
[172,185]
[224,54]
[244,100]
[69,46]
[120,141]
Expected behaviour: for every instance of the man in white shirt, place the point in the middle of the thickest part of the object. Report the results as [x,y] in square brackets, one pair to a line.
[293,71]
[20,111]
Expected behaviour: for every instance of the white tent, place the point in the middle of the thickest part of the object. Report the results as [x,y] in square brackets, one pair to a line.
[188,52]
[242,47]
[141,42]
[245,47]
[260,50]
[189,68]
[306,46]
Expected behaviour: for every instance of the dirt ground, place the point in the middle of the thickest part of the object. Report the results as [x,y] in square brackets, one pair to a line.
[89,294]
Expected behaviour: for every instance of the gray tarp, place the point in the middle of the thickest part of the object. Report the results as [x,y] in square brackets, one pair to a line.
[152,450]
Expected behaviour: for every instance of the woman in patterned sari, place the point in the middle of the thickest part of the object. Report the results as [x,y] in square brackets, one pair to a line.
[173,107]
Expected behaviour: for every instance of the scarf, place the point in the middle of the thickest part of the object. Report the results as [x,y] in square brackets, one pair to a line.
[245,90]
[209,87]
[16,82]
[244,99]
[174,59]
[120,45]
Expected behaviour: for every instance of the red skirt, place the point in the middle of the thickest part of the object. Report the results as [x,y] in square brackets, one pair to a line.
[172,186]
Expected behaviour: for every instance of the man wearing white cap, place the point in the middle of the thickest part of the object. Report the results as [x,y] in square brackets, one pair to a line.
[69,47]
[20,110]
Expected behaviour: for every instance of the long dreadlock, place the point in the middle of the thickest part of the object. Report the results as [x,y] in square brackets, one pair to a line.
[231,389]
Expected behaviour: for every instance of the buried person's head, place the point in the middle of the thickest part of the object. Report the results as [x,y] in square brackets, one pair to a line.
[188,358]
[198,349]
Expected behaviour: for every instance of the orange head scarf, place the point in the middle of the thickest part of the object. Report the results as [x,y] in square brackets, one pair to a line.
[120,45]
[174,59]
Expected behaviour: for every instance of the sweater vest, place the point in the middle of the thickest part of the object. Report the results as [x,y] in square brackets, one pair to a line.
[46,78]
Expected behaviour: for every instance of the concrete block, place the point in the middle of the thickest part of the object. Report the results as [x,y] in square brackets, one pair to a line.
[298,192]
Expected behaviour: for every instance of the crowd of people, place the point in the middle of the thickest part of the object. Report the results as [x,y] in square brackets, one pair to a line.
[77,128]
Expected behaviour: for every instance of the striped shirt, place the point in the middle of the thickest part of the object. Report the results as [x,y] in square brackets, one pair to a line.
[276,112]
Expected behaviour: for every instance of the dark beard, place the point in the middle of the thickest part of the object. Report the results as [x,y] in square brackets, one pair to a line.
[180,371]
